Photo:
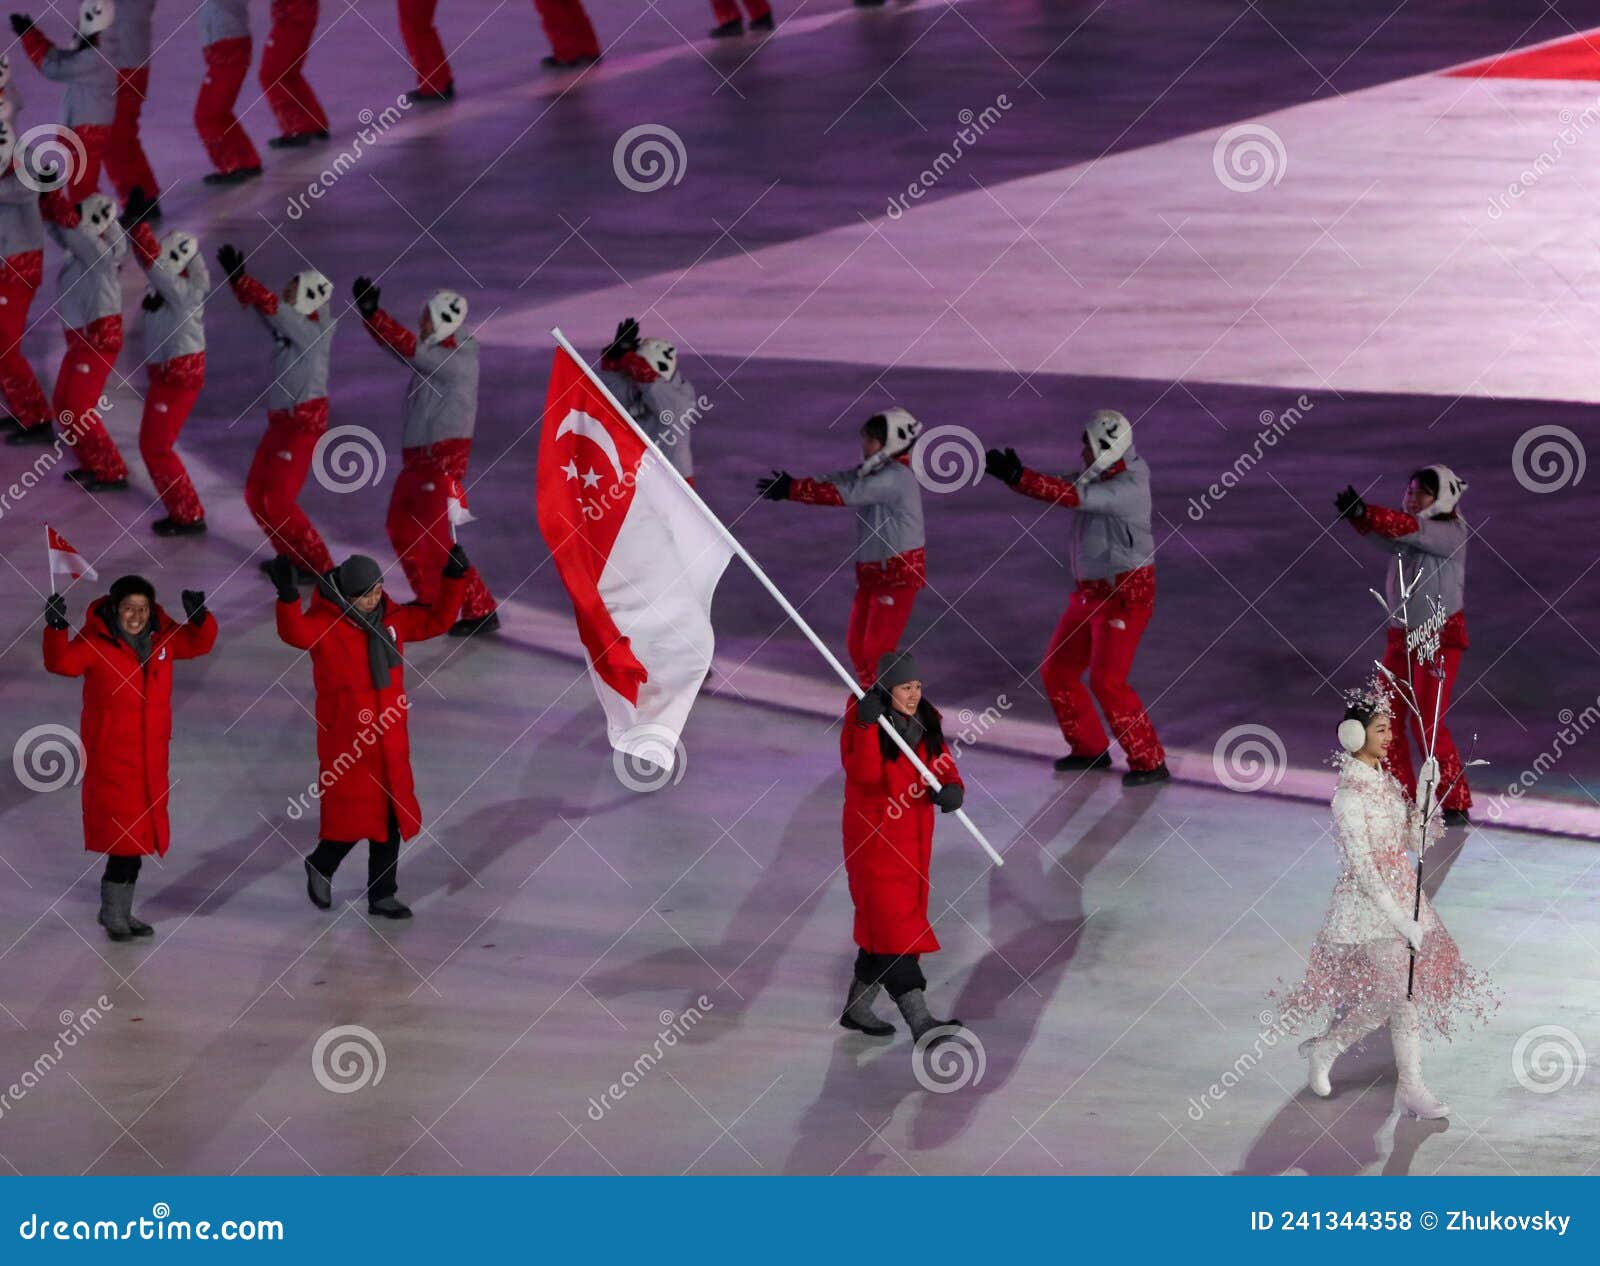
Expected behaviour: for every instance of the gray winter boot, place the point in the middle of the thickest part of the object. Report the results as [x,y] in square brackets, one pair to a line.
[116,903]
[858,1010]
[914,1007]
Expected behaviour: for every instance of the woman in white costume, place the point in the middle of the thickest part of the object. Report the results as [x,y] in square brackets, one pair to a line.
[1358,967]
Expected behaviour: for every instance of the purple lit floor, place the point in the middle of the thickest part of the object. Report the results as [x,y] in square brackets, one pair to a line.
[1116,967]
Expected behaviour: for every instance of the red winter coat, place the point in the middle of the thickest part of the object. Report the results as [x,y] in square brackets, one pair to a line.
[126,725]
[363,747]
[888,839]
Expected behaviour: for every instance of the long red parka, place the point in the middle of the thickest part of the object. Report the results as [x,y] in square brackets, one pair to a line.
[888,839]
[126,725]
[363,746]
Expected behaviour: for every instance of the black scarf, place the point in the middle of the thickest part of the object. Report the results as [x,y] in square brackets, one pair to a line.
[139,643]
[922,725]
[382,654]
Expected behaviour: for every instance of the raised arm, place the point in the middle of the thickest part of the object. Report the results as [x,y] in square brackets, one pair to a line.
[64,654]
[66,226]
[859,748]
[1441,537]
[416,622]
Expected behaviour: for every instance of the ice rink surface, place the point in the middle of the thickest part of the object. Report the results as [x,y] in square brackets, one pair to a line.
[1082,253]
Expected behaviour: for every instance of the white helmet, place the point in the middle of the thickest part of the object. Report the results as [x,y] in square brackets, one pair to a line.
[311,291]
[660,355]
[1109,435]
[900,431]
[97,212]
[177,249]
[5,69]
[1449,495]
[8,144]
[448,312]
[95,16]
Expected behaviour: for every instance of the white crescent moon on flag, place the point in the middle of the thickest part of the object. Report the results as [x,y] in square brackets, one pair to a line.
[579,423]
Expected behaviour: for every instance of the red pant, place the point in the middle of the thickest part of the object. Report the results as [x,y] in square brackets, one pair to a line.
[272,488]
[282,61]
[1429,686]
[419,524]
[126,163]
[1100,632]
[569,29]
[877,619]
[91,353]
[422,43]
[166,409]
[92,139]
[728,10]
[19,282]
[226,142]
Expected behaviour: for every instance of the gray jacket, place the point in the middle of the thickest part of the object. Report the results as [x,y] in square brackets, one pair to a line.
[888,506]
[224,20]
[91,96]
[1437,553]
[127,42]
[1111,529]
[88,284]
[177,328]
[301,350]
[665,411]
[442,396]
[21,225]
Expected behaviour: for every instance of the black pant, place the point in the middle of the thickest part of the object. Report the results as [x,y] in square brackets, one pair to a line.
[383,857]
[898,973]
[121,870]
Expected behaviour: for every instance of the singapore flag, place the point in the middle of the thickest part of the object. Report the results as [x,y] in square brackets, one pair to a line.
[640,558]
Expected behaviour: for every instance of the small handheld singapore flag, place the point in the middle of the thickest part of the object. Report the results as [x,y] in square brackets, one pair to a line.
[639,557]
[64,560]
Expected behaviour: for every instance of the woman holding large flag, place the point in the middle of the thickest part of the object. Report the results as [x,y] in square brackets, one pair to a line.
[124,652]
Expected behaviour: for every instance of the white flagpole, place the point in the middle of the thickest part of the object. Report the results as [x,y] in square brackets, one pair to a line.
[777,596]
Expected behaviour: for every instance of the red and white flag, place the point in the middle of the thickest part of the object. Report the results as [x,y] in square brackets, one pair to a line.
[639,557]
[64,560]
[455,505]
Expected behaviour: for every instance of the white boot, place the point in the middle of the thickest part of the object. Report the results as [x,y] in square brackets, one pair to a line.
[1411,1094]
[1320,1052]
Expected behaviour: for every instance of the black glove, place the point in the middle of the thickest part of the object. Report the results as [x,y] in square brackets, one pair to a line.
[776,486]
[1004,465]
[194,605]
[366,295]
[47,176]
[870,706]
[21,23]
[281,572]
[152,302]
[55,611]
[1349,504]
[138,206]
[625,340]
[949,797]
[232,260]
[458,565]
